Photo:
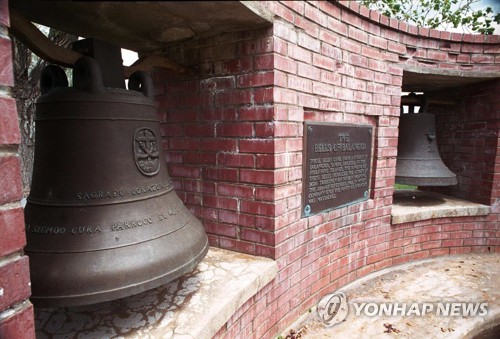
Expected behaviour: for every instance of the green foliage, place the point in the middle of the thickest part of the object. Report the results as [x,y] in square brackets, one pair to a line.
[440,14]
[404,187]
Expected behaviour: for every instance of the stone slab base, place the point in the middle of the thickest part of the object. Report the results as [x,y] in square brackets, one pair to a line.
[193,306]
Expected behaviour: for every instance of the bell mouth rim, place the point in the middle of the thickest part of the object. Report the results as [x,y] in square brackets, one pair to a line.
[75,300]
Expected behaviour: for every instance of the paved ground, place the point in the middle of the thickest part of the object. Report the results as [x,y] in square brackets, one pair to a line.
[434,283]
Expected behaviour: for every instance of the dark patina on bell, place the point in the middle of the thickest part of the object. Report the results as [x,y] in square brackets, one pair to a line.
[102,218]
[418,162]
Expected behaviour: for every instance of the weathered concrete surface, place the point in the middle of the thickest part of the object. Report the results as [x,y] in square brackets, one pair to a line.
[414,205]
[193,306]
[159,22]
[459,278]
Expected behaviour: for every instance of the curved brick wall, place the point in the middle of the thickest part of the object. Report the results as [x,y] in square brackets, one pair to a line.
[233,136]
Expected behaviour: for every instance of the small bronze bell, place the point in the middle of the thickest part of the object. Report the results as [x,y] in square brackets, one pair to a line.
[102,218]
[418,162]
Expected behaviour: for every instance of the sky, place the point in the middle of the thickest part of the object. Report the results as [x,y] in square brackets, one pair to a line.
[494,4]
[129,57]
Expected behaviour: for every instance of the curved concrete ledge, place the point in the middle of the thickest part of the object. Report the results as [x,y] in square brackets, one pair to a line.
[451,72]
[414,205]
[465,278]
[196,305]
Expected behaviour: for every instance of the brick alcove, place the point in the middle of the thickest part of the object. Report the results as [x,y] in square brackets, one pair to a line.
[465,124]
[233,138]
[331,63]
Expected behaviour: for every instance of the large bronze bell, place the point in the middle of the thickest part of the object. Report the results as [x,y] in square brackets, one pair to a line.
[102,218]
[418,162]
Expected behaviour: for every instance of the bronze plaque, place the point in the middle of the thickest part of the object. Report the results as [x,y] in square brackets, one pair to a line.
[337,160]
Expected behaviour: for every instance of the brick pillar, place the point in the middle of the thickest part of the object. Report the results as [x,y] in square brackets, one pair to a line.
[225,147]
[16,312]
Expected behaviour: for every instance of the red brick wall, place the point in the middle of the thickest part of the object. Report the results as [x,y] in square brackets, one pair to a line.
[233,139]
[233,135]
[468,137]
[227,149]
[16,313]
